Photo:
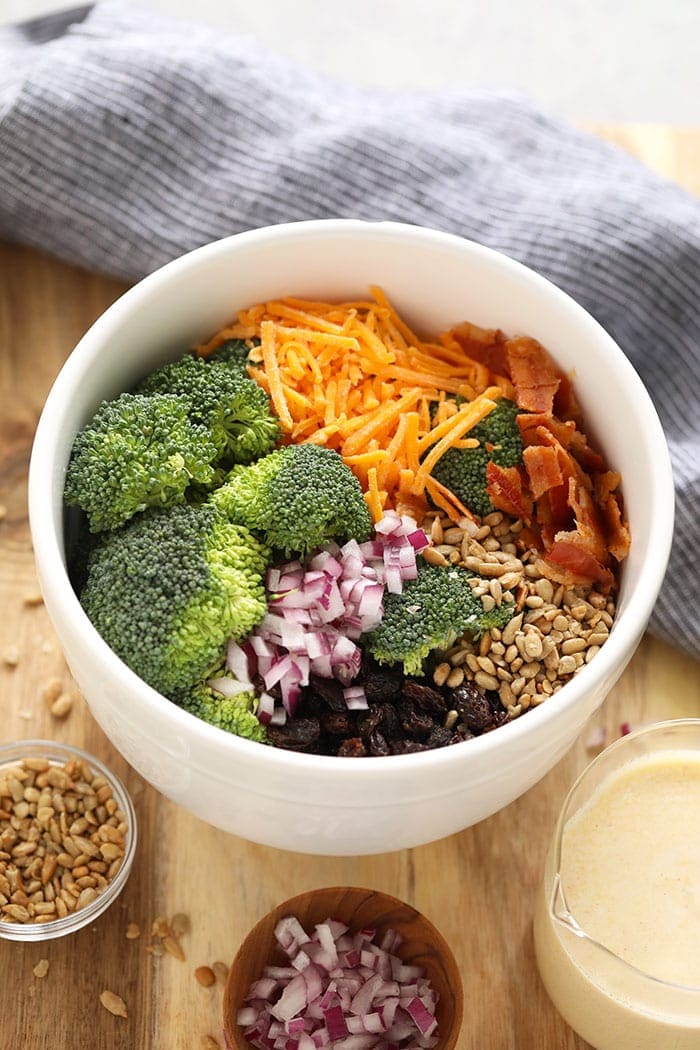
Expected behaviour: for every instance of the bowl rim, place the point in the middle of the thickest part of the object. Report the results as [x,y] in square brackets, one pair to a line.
[627,628]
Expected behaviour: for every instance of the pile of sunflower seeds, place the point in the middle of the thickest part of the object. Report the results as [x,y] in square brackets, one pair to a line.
[554,632]
[62,839]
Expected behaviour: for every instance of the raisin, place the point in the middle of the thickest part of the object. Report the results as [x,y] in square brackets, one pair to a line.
[337,723]
[439,737]
[473,708]
[407,747]
[380,683]
[351,748]
[377,744]
[427,698]
[391,727]
[329,690]
[415,723]
[460,733]
[297,734]
[369,722]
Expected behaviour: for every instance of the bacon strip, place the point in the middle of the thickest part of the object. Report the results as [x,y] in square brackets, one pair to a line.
[485,345]
[588,524]
[504,486]
[537,428]
[574,562]
[566,405]
[533,374]
[617,533]
[543,469]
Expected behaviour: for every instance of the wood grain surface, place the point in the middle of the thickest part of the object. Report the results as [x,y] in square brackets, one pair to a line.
[477,887]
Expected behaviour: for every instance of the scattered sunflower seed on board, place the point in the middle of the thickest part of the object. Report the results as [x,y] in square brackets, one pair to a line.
[113,1003]
[205,976]
[220,970]
[165,936]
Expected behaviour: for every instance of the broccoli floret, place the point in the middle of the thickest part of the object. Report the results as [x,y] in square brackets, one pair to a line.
[463,470]
[234,409]
[136,452]
[298,497]
[234,352]
[431,613]
[168,590]
[236,714]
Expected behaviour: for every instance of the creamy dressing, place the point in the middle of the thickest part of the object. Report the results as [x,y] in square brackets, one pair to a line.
[630,869]
[631,863]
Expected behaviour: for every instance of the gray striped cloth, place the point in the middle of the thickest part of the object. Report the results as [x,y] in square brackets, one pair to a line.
[127,138]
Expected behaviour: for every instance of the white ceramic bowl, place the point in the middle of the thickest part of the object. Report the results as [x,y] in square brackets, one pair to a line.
[305,802]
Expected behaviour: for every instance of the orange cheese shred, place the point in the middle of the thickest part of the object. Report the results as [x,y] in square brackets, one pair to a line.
[356,378]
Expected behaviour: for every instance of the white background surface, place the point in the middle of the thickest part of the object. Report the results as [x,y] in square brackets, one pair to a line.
[582,59]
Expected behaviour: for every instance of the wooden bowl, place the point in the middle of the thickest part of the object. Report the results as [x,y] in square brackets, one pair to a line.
[359,909]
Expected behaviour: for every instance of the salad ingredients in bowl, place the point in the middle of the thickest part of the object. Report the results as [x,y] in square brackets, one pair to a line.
[325,533]
[403,787]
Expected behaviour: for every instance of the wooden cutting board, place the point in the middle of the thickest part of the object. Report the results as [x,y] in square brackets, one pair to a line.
[478,887]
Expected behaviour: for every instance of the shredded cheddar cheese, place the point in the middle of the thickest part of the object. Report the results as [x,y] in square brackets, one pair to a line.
[355,377]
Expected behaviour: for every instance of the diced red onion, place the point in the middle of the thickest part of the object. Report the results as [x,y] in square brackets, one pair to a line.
[246,1016]
[334,1019]
[266,708]
[228,686]
[237,661]
[293,1000]
[425,1022]
[340,998]
[317,611]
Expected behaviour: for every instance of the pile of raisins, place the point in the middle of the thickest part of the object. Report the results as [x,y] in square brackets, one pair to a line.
[405,715]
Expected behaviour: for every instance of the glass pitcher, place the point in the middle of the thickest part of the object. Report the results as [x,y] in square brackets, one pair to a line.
[609,1002]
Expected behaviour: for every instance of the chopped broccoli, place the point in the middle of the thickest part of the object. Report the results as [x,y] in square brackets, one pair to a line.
[431,613]
[463,470]
[136,452]
[234,352]
[168,590]
[298,497]
[236,714]
[234,409]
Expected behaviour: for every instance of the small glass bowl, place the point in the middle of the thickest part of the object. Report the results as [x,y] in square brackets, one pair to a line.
[54,752]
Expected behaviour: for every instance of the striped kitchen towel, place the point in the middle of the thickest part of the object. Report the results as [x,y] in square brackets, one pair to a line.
[127,138]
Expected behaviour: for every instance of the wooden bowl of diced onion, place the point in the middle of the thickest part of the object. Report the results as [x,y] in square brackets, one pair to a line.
[399,938]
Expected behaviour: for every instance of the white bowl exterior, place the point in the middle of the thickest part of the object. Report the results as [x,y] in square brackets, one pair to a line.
[309,803]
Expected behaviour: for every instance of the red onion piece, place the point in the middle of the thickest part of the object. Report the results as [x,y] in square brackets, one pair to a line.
[425,1021]
[335,1023]
[228,686]
[246,1016]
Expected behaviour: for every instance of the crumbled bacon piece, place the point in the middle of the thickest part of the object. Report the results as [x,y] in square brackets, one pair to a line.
[566,405]
[617,533]
[485,345]
[543,469]
[538,428]
[534,377]
[588,524]
[571,562]
[505,488]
